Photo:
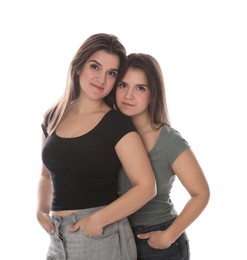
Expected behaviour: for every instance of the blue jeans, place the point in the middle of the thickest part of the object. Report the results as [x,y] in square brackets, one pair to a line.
[179,250]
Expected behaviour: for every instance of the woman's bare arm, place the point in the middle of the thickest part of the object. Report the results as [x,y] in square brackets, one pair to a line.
[136,163]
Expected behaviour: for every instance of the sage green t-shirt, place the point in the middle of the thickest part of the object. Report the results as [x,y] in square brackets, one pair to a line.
[167,148]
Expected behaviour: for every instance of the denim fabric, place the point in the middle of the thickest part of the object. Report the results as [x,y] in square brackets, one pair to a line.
[116,243]
[179,250]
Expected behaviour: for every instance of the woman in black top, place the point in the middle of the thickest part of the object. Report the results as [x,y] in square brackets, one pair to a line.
[85,142]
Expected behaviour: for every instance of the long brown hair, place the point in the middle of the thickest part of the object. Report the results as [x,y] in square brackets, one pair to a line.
[158,106]
[94,43]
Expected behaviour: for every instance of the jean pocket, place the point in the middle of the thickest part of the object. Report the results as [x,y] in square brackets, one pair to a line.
[106,246]
[110,230]
[144,249]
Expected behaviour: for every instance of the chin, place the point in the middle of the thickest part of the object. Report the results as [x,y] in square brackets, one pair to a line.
[127,113]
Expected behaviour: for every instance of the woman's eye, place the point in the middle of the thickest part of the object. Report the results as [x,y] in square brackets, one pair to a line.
[113,74]
[122,84]
[94,66]
[141,88]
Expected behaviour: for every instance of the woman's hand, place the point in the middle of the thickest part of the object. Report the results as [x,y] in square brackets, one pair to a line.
[156,239]
[88,226]
[45,221]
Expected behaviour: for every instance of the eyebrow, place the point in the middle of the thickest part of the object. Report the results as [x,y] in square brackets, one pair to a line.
[101,64]
[138,85]
[142,85]
[95,62]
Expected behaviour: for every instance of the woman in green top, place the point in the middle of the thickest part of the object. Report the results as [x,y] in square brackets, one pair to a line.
[159,230]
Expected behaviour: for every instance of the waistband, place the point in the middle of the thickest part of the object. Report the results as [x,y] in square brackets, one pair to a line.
[80,214]
[145,229]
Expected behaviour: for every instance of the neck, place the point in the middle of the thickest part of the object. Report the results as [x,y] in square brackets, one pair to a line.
[142,123]
[88,106]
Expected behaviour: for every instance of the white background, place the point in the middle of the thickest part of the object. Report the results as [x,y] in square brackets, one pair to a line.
[201,46]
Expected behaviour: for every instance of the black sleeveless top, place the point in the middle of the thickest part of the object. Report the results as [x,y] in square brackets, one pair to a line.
[84,170]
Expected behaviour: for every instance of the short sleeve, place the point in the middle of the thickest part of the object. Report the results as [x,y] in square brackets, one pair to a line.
[117,126]
[176,144]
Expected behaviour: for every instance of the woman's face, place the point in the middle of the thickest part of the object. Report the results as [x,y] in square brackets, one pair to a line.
[99,74]
[133,94]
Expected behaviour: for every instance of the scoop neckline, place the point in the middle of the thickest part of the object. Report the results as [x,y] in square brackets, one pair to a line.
[90,131]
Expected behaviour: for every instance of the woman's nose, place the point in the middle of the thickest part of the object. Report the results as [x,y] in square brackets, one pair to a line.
[101,78]
[129,94]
